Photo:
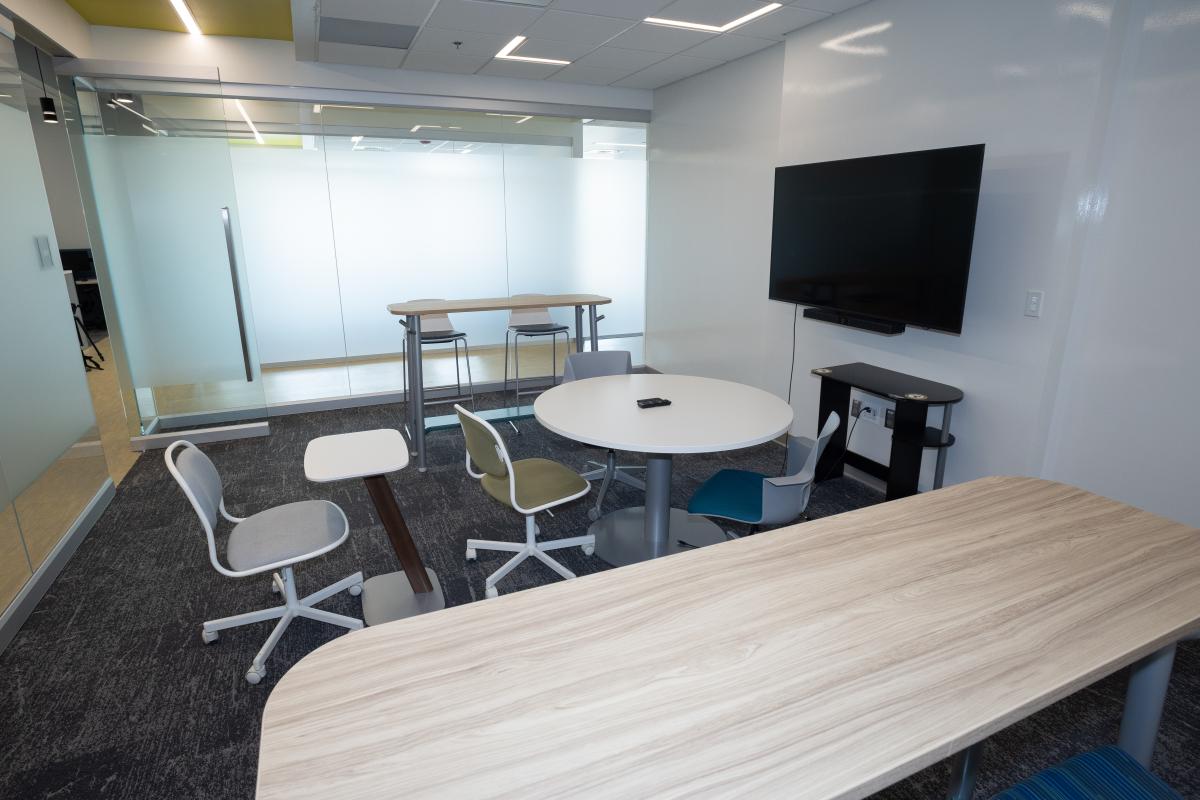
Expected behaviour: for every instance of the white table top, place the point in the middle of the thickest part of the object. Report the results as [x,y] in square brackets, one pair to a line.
[705,416]
[355,455]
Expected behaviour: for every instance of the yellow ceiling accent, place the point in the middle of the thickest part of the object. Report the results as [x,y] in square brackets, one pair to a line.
[260,19]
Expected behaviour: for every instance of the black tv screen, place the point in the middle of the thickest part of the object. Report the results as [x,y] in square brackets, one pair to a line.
[886,237]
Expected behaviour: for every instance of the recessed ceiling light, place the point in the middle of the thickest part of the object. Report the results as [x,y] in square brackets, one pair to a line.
[185,16]
[416,128]
[241,109]
[506,53]
[728,26]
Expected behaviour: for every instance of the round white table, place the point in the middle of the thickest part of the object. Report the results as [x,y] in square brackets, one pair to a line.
[705,416]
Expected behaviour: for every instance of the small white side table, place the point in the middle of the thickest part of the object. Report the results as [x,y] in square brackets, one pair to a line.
[370,455]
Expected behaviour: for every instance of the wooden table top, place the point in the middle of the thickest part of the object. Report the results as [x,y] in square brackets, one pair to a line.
[413,307]
[824,660]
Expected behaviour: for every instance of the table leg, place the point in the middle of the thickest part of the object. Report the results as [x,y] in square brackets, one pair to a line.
[835,397]
[1148,681]
[593,323]
[658,504]
[964,771]
[578,329]
[939,474]
[416,399]
[397,531]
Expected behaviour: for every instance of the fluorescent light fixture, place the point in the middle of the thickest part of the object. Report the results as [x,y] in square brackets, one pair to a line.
[355,139]
[317,107]
[618,144]
[133,111]
[5,96]
[155,131]
[506,54]
[728,26]
[416,128]
[846,42]
[185,16]
[518,117]
[127,99]
[242,110]
[586,121]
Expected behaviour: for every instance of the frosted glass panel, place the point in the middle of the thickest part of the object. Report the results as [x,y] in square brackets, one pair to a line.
[579,225]
[415,225]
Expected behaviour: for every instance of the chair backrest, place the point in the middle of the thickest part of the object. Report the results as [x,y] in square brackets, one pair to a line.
[199,479]
[803,456]
[596,364]
[485,448]
[535,315]
[436,322]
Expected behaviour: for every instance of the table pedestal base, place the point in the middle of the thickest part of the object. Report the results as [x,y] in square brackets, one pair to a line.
[621,535]
[386,598]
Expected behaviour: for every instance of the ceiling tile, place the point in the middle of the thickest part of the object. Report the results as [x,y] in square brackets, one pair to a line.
[519,69]
[668,71]
[376,34]
[828,6]
[400,12]
[470,15]
[445,62]
[593,75]
[359,54]
[779,22]
[710,12]
[584,28]
[441,40]
[624,9]
[659,39]
[729,46]
[609,57]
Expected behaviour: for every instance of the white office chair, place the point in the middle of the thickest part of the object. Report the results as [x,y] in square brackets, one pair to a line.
[532,323]
[597,364]
[527,486]
[275,539]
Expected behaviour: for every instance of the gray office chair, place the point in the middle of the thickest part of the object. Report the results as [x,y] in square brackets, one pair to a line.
[580,366]
[532,323]
[275,539]
[756,499]
[437,329]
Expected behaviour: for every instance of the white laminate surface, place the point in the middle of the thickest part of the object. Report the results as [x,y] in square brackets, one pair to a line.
[706,415]
[355,455]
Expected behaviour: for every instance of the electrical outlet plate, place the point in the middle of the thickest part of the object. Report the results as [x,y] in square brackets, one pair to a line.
[1033,302]
[855,407]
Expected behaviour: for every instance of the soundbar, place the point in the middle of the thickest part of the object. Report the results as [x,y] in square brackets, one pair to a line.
[872,324]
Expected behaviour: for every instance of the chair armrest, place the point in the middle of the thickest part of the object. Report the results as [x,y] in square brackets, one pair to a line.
[799,479]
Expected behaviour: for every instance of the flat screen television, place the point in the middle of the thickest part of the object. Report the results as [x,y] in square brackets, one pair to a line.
[885,237]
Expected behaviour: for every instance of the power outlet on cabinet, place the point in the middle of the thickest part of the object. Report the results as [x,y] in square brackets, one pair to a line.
[1033,302]
[889,418]
[855,407]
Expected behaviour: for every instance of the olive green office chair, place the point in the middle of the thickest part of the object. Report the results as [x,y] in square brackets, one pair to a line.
[526,486]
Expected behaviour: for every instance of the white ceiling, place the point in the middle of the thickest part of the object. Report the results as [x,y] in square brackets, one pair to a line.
[606,41]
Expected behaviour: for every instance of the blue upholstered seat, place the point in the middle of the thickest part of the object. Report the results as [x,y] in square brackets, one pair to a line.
[730,494]
[1105,774]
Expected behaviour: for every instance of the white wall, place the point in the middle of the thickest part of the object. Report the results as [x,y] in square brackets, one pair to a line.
[1033,80]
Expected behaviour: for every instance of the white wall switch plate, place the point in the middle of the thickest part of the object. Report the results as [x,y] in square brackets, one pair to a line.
[1033,302]
[45,254]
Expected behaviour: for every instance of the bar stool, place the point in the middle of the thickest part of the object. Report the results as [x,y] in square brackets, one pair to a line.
[532,323]
[437,329]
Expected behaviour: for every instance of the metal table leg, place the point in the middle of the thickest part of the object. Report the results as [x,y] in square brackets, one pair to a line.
[594,324]
[578,329]
[939,472]
[638,534]
[964,771]
[1148,680]
[416,399]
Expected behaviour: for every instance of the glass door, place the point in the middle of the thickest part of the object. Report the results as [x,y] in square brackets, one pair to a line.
[167,226]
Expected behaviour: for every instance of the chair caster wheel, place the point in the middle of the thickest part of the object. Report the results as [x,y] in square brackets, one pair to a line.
[588,549]
[593,513]
[208,637]
[255,674]
[471,554]
[356,590]
[491,591]
[274,586]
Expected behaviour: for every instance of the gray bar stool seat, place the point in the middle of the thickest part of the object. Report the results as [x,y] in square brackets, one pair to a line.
[437,329]
[532,323]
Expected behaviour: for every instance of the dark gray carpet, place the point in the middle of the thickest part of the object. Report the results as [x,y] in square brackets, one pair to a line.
[108,692]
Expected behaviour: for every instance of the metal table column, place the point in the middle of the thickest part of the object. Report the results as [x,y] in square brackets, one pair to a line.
[578,329]
[416,392]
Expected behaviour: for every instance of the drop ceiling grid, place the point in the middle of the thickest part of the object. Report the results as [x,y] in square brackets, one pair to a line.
[606,40]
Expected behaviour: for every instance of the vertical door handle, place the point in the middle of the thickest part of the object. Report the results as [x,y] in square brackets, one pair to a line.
[237,292]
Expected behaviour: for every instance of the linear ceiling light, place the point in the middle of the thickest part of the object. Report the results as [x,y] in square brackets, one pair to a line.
[618,144]
[518,117]
[506,53]
[416,128]
[728,26]
[242,110]
[185,16]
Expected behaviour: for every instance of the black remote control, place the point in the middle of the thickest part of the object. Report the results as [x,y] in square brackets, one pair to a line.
[653,402]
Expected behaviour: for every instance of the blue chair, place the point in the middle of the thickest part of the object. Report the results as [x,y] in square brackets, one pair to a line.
[757,499]
[1105,774]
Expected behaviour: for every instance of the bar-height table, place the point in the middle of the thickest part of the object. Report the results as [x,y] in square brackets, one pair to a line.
[412,311]
[371,455]
[819,661]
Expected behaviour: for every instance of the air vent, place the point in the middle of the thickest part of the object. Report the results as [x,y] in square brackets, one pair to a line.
[370,34]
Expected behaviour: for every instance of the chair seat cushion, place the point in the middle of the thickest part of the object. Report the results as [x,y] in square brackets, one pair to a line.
[540,482]
[440,337]
[730,494]
[534,330]
[284,533]
[1105,774]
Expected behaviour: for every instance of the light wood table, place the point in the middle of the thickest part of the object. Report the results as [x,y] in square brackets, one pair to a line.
[412,311]
[823,660]
[371,455]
